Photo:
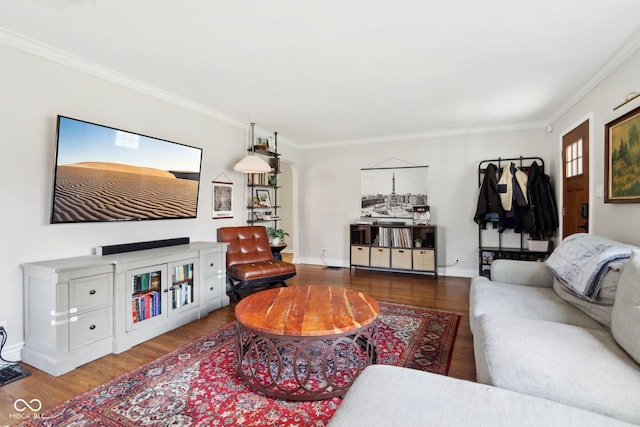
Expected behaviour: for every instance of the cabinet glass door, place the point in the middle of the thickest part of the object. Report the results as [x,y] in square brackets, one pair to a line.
[146,294]
[181,288]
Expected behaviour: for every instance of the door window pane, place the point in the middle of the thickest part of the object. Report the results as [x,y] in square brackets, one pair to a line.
[573,159]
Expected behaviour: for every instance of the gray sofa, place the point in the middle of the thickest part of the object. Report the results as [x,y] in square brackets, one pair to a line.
[544,356]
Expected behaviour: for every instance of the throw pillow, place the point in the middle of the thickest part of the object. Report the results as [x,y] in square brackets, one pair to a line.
[625,316]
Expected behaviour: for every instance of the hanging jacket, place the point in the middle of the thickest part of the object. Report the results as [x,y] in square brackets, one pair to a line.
[512,187]
[489,207]
[543,203]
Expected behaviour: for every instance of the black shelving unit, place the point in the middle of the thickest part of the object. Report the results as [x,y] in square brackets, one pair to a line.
[257,181]
[403,248]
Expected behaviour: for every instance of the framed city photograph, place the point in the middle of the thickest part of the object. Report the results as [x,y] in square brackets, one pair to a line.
[263,197]
[622,159]
[392,192]
[222,199]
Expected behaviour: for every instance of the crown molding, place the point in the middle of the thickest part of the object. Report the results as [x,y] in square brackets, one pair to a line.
[619,56]
[51,53]
[428,135]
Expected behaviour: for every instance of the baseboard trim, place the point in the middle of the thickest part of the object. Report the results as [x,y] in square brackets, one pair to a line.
[13,352]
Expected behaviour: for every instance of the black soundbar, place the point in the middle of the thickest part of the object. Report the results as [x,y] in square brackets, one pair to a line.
[140,246]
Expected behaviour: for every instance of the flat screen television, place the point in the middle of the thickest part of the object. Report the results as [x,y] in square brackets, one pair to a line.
[106,174]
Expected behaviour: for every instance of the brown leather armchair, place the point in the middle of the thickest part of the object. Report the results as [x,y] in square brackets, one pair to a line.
[250,263]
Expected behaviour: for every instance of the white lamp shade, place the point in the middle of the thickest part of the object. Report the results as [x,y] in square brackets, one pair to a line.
[252,164]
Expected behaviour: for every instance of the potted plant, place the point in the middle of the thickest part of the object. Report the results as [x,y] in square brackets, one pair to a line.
[276,235]
[417,242]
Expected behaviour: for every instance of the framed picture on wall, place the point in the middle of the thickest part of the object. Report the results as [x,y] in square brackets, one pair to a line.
[222,199]
[263,198]
[392,192]
[622,159]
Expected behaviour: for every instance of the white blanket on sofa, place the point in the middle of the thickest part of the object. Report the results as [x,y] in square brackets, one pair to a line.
[581,262]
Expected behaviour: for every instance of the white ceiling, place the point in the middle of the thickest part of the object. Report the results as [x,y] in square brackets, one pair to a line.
[335,71]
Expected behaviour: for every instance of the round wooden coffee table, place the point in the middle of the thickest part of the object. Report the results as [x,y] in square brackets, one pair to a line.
[305,342]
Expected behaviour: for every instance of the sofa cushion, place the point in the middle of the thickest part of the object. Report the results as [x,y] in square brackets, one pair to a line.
[393,396]
[600,308]
[601,313]
[609,288]
[521,272]
[625,317]
[261,270]
[487,296]
[576,366]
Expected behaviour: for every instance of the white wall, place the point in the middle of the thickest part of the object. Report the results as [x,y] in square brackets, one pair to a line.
[34,91]
[618,221]
[286,200]
[330,190]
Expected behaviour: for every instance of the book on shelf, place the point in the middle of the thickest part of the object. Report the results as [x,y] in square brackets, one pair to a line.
[181,295]
[146,306]
[394,237]
[154,281]
[401,237]
[175,297]
[182,273]
[258,179]
[146,281]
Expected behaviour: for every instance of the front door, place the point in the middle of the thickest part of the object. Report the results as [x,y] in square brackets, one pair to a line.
[575,173]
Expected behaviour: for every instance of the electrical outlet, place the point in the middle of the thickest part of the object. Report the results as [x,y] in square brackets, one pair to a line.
[457,259]
[3,323]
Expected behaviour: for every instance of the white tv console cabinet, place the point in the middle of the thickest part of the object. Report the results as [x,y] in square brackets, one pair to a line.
[79,309]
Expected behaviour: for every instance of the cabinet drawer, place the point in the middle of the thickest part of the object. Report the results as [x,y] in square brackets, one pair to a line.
[213,265]
[360,255]
[212,287]
[401,258]
[380,257]
[90,327]
[88,292]
[424,260]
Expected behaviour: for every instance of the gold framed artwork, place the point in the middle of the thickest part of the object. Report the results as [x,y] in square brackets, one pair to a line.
[622,159]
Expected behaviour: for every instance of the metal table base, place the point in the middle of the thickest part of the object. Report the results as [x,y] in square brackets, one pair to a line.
[304,368]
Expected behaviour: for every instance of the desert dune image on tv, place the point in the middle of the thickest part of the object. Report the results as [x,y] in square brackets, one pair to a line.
[106,174]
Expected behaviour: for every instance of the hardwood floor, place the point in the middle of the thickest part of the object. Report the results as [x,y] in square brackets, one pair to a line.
[441,293]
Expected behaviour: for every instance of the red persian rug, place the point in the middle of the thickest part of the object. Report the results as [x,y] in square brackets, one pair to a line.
[197,384]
